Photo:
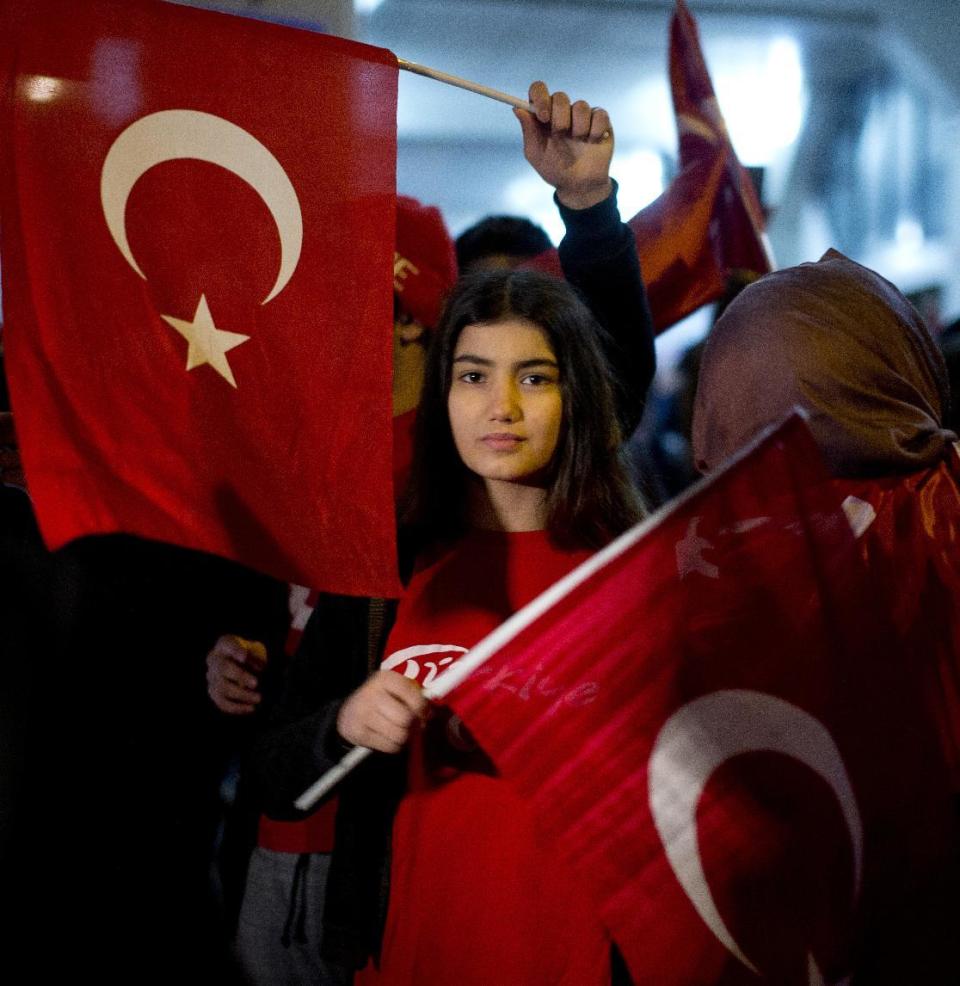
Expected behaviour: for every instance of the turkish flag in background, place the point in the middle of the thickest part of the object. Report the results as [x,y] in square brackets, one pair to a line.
[715,724]
[708,224]
[171,175]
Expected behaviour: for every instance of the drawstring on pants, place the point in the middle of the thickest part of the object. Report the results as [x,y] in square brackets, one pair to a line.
[295,927]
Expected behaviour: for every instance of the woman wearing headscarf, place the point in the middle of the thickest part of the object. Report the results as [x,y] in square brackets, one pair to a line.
[844,344]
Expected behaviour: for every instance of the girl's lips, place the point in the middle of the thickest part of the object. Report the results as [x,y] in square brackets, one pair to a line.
[501,441]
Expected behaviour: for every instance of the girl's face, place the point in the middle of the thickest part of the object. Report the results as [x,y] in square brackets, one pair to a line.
[505,403]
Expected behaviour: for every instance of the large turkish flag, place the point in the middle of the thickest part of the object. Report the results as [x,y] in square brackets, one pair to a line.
[717,726]
[198,238]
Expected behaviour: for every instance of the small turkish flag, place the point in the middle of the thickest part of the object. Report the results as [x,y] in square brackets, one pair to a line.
[708,225]
[722,734]
[198,238]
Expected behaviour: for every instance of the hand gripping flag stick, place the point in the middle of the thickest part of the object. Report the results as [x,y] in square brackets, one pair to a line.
[503,634]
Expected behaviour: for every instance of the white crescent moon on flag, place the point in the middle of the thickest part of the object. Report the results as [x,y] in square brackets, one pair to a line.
[703,735]
[172,135]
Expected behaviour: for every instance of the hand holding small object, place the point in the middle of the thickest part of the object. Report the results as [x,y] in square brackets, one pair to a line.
[233,674]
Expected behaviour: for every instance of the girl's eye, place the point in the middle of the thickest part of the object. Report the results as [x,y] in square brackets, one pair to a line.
[536,379]
[471,376]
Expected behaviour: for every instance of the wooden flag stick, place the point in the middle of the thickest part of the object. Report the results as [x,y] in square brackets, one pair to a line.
[453,80]
[360,753]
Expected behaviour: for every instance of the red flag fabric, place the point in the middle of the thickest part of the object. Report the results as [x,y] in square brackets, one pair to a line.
[708,224]
[198,240]
[717,729]
[911,528]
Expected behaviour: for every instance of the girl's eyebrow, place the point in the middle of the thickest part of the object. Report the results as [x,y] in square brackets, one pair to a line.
[524,364]
[468,358]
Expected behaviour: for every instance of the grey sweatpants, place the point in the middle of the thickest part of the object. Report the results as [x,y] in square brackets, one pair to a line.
[273,905]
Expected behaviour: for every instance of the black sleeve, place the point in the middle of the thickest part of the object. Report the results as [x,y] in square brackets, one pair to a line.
[599,258]
[300,740]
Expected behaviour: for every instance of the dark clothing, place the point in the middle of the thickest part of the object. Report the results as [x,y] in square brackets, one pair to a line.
[599,258]
[341,646]
[117,806]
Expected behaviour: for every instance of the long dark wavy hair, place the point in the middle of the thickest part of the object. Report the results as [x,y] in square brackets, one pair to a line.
[590,500]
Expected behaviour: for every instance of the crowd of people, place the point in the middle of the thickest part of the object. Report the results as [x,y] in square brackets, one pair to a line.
[151,830]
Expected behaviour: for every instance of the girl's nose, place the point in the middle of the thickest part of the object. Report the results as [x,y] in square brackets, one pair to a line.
[504,402]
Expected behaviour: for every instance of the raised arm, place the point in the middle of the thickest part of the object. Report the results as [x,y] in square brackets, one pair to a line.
[570,145]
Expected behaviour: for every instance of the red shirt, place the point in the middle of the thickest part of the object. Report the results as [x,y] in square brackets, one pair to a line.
[476,896]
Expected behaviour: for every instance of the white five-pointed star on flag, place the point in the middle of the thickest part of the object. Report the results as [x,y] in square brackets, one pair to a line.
[207,343]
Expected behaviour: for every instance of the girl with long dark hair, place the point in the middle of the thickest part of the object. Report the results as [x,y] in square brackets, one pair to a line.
[517,478]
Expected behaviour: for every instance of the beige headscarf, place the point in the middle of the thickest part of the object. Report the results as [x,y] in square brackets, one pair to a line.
[841,342]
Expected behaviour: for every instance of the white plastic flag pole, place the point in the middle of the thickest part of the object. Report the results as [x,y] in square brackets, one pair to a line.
[453,80]
[332,778]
